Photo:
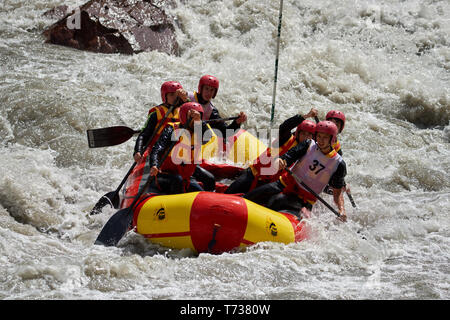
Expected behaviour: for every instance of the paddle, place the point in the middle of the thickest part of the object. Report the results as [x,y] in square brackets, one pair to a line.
[116,227]
[347,191]
[221,119]
[313,192]
[112,198]
[318,197]
[111,136]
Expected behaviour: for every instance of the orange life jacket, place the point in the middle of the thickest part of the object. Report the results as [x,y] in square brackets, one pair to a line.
[266,159]
[161,111]
[181,158]
[337,145]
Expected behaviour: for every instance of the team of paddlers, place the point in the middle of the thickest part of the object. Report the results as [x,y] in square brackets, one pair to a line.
[312,152]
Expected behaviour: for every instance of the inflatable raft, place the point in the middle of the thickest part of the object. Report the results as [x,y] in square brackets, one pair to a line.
[210,221]
[240,150]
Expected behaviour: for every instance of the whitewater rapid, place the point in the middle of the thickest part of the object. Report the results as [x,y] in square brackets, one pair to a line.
[384,64]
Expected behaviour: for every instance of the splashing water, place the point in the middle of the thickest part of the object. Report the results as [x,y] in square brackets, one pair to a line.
[386,66]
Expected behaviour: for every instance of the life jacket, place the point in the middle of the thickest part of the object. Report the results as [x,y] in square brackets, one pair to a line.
[261,167]
[207,107]
[161,111]
[140,173]
[187,153]
[337,146]
[314,169]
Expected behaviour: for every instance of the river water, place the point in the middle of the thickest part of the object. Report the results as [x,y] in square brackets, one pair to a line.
[385,64]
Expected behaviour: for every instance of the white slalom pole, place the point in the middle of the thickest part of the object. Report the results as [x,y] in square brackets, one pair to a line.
[276,64]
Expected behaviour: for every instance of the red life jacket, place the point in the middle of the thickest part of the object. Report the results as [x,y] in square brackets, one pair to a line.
[183,157]
[266,159]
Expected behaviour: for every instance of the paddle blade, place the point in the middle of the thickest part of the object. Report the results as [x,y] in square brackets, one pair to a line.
[111,136]
[111,198]
[115,228]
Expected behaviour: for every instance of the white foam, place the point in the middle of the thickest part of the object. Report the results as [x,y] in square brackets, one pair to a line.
[384,65]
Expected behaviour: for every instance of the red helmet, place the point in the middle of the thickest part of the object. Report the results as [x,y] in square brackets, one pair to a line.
[185,107]
[336,115]
[308,126]
[329,128]
[167,87]
[209,81]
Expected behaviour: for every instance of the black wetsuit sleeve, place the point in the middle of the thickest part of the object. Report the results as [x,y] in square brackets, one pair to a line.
[160,146]
[220,125]
[337,179]
[234,125]
[296,153]
[146,133]
[287,126]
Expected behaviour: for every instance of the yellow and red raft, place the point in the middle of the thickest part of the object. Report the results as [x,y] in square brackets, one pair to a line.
[210,221]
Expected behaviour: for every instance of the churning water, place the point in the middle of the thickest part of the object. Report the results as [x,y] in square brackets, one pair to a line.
[385,64]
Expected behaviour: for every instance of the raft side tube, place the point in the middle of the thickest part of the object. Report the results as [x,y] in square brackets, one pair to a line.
[198,220]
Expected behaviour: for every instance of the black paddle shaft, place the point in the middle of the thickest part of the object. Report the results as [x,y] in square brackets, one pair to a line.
[351,199]
[313,192]
[221,119]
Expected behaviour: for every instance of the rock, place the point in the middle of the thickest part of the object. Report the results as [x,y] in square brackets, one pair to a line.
[58,12]
[117,26]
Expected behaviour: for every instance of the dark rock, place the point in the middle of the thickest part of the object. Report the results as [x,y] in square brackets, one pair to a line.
[117,26]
